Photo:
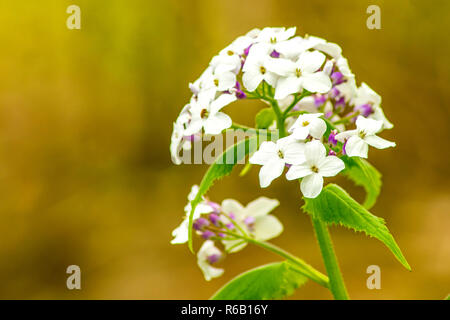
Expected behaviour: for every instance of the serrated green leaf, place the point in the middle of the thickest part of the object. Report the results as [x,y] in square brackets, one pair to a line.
[363,174]
[335,206]
[272,281]
[221,167]
[264,118]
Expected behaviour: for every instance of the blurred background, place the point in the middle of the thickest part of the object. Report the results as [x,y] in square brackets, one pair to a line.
[85,121]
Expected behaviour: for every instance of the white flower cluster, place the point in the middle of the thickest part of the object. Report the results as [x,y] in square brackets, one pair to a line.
[229,224]
[310,82]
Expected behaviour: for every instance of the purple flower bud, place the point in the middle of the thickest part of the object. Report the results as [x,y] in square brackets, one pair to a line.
[334,92]
[230,226]
[288,165]
[332,138]
[247,50]
[214,218]
[231,215]
[215,206]
[249,221]
[365,109]
[337,77]
[332,153]
[239,93]
[319,99]
[340,103]
[207,234]
[328,114]
[200,223]
[222,235]
[275,54]
[213,258]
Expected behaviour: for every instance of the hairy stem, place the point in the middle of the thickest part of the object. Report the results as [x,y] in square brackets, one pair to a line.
[336,285]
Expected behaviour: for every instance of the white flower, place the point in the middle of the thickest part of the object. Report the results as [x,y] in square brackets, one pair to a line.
[275,35]
[274,156]
[207,255]
[178,134]
[219,80]
[364,135]
[316,166]
[181,233]
[300,74]
[255,67]
[364,95]
[308,124]
[207,114]
[254,219]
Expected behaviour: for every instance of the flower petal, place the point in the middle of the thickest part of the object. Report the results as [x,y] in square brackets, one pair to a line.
[266,152]
[215,124]
[311,61]
[356,147]
[316,82]
[311,185]
[331,166]
[314,152]
[369,126]
[286,86]
[252,79]
[345,135]
[378,142]
[234,207]
[298,171]
[267,227]
[270,171]
[261,207]
[317,128]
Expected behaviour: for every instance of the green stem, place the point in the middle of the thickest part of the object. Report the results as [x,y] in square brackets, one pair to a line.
[280,118]
[337,285]
[344,120]
[300,265]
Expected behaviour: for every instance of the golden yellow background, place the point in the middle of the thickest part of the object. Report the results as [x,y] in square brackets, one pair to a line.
[85,123]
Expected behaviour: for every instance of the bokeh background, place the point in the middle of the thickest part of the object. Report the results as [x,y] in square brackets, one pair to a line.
[85,123]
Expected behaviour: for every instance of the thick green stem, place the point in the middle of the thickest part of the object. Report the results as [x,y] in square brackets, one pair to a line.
[337,285]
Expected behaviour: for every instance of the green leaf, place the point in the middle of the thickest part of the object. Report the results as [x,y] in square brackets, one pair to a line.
[335,206]
[221,167]
[271,281]
[363,174]
[264,118]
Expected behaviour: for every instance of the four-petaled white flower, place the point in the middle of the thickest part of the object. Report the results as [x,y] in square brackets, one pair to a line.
[304,73]
[366,94]
[316,166]
[308,124]
[207,114]
[358,140]
[255,67]
[206,256]
[274,156]
[181,233]
[253,219]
